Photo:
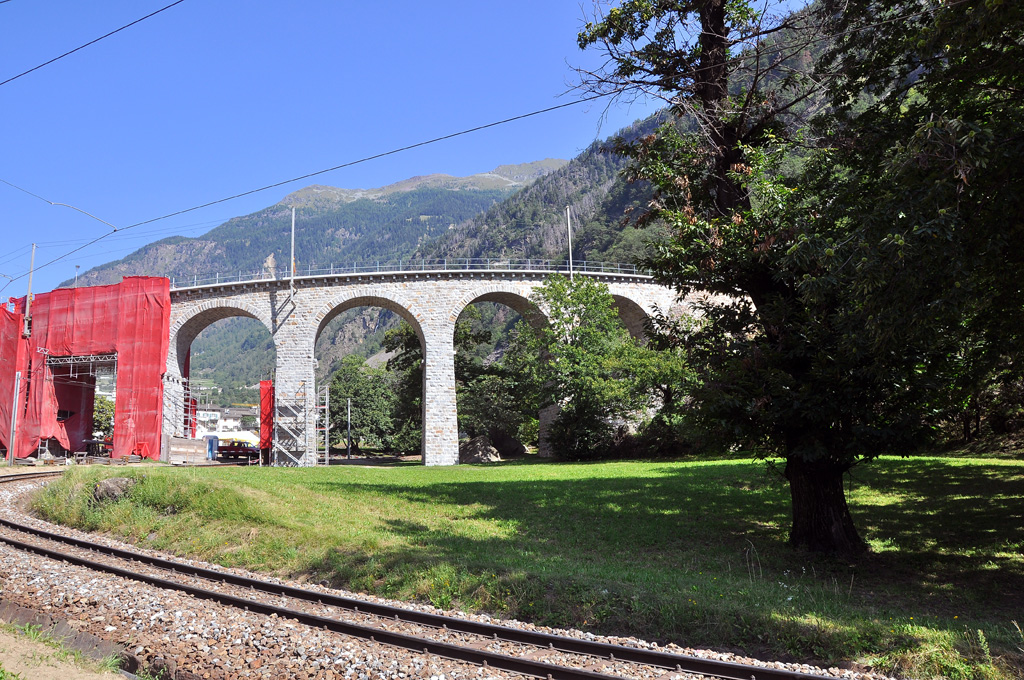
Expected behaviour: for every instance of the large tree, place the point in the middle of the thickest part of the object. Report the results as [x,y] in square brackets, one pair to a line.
[840,311]
[735,77]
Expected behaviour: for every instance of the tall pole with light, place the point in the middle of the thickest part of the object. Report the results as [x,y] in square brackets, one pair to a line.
[568,228]
[27,331]
[14,418]
[292,283]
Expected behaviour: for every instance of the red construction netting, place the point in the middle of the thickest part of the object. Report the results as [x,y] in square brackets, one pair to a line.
[130,319]
[266,414]
[191,403]
[14,350]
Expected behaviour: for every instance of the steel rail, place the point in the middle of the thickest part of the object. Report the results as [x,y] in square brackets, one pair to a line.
[602,650]
[424,645]
[25,476]
[727,670]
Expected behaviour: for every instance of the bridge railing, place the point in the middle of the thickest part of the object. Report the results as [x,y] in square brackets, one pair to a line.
[411,265]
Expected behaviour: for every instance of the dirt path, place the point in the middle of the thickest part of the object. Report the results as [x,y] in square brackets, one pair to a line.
[35,661]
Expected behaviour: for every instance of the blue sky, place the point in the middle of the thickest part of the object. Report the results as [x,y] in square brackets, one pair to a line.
[209,99]
[213,98]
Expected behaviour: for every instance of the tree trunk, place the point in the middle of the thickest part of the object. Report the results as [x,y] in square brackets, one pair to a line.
[821,518]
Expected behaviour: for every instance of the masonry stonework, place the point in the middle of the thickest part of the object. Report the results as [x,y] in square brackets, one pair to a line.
[430,302]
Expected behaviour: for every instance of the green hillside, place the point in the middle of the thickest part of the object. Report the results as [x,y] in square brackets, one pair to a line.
[385,227]
[333,226]
[531,223]
[513,211]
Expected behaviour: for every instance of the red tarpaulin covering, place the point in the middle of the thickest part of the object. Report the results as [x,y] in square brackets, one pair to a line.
[191,421]
[130,319]
[266,414]
[191,403]
[14,352]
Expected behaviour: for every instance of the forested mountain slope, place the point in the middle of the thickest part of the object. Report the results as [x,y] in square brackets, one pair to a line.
[531,224]
[332,226]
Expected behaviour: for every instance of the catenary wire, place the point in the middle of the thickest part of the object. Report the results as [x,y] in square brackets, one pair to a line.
[91,42]
[365,159]
[287,181]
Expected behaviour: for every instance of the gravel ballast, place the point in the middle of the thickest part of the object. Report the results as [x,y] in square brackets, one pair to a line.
[193,638]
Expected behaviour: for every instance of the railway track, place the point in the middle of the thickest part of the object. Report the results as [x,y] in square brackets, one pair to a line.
[487,645]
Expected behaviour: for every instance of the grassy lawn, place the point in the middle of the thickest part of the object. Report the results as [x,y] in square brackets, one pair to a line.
[691,552]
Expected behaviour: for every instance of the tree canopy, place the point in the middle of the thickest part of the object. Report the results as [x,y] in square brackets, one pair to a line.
[585,365]
[846,259]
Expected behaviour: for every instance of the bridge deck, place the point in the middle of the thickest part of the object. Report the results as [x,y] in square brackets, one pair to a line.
[412,267]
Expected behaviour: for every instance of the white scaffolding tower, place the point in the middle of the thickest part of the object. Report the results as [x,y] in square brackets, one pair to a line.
[323,424]
[291,436]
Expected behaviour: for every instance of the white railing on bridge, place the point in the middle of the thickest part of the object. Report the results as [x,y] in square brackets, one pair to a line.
[411,265]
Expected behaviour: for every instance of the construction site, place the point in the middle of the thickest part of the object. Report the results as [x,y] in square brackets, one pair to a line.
[67,350]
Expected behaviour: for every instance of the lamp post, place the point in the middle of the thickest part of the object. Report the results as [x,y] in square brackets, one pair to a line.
[77,267]
[291,283]
[27,330]
[11,440]
[568,228]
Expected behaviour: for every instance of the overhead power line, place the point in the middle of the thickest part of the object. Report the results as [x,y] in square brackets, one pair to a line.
[373,157]
[282,182]
[91,42]
[365,159]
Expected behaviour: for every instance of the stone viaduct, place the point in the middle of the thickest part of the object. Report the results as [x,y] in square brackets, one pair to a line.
[296,311]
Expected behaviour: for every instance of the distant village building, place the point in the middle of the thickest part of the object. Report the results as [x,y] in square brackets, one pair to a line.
[106,381]
[217,420]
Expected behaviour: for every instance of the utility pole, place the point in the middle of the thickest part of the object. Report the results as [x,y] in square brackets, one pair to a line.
[568,228]
[327,425]
[77,267]
[27,332]
[292,284]
[14,418]
[349,454]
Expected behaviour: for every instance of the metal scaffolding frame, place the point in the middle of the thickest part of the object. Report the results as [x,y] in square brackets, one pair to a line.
[77,367]
[90,359]
[190,420]
[291,443]
[86,365]
[323,424]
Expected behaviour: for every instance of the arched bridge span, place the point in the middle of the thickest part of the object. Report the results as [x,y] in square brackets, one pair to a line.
[296,310]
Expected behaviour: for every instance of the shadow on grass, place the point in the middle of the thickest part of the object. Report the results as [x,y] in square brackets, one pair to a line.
[954,537]
[614,515]
[951,534]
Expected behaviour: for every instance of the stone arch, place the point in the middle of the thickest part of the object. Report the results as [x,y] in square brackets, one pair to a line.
[350,300]
[634,317]
[434,338]
[202,315]
[513,296]
[516,296]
